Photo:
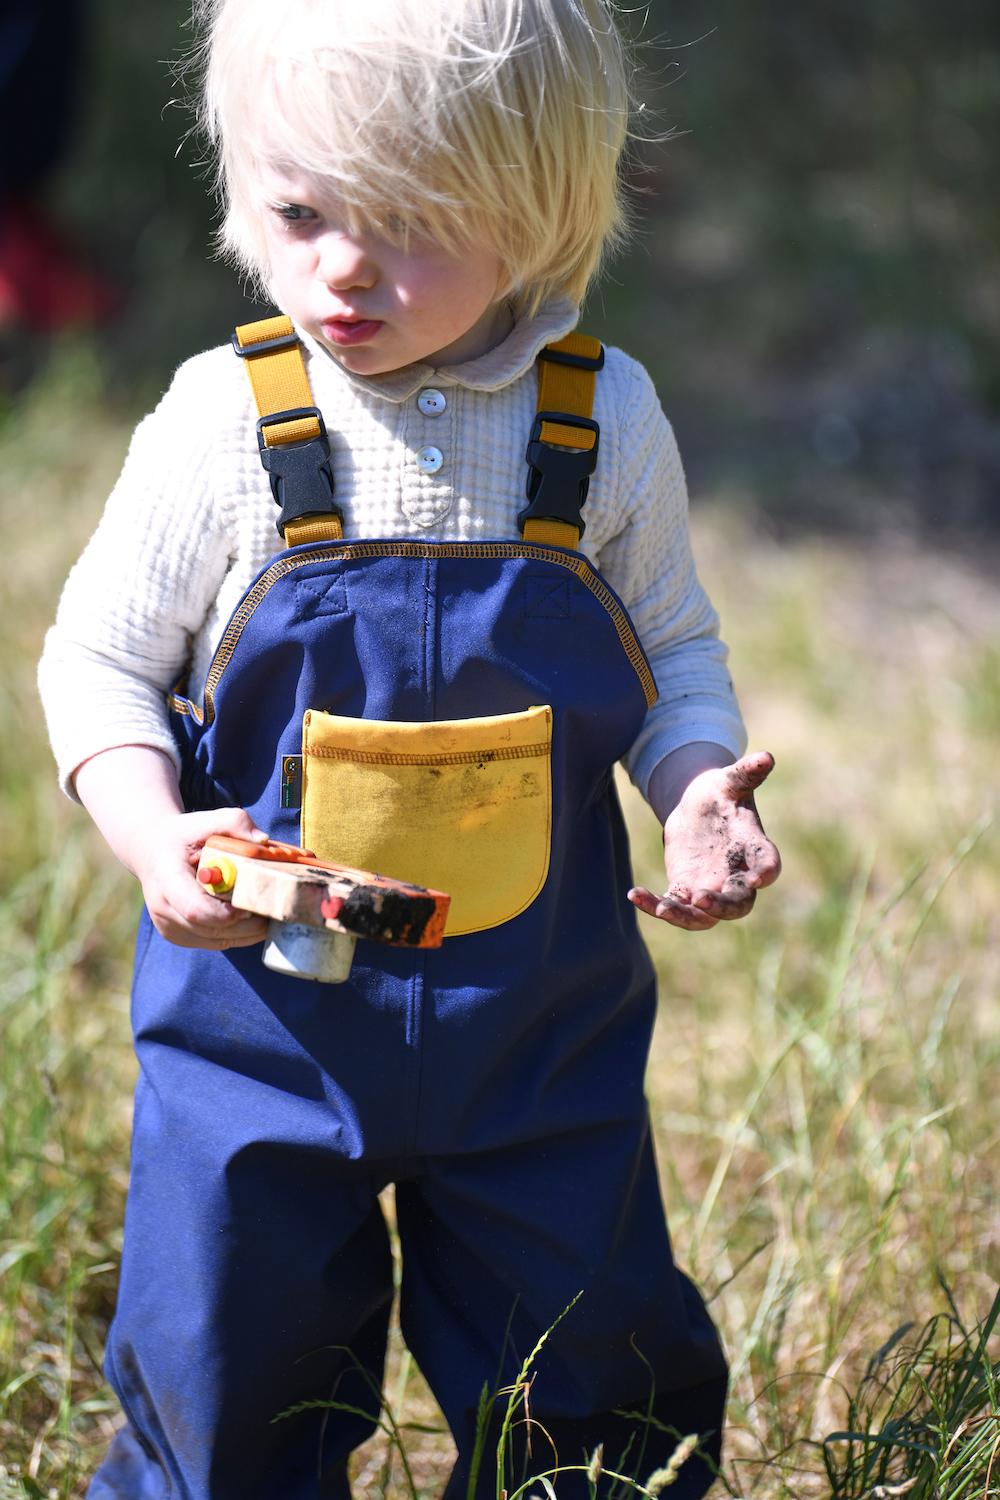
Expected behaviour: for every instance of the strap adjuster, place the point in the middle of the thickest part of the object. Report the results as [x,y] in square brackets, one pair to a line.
[300,473]
[264,346]
[578,361]
[558,478]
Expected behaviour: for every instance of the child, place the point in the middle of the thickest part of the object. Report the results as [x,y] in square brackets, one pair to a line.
[425,187]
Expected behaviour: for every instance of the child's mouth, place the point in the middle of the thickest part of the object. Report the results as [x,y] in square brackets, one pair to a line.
[346,331]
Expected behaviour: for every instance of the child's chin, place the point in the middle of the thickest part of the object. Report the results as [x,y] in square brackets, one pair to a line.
[362,360]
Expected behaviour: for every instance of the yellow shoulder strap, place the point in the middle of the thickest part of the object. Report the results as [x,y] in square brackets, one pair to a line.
[272,354]
[567,371]
[271,351]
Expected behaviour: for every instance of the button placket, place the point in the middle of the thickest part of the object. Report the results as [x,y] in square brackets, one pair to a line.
[427,493]
[430,403]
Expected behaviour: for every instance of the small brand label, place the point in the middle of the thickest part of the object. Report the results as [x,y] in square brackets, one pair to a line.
[291,780]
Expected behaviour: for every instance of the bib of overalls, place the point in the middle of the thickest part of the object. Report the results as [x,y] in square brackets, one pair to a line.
[501,639]
[513,668]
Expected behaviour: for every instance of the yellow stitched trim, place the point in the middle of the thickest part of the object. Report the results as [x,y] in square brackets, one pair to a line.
[572,562]
[452,758]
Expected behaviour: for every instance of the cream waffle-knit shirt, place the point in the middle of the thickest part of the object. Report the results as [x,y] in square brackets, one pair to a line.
[191,521]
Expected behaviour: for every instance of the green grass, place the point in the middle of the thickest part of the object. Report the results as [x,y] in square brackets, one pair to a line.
[823,1076]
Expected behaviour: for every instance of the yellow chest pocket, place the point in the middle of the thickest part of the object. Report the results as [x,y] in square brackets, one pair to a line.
[461,805]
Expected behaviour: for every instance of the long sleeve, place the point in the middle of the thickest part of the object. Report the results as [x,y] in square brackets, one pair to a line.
[140,590]
[649,564]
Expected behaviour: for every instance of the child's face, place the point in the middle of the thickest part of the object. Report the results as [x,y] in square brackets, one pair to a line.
[374,305]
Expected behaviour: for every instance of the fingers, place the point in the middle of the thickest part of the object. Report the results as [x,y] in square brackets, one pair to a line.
[669,909]
[236,930]
[234,821]
[702,908]
[763,863]
[753,861]
[238,822]
[745,775]
[735,900]
[192,919]
[247,934]
[699,910]
[181,909]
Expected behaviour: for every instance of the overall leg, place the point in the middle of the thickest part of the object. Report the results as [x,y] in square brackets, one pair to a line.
[254,1258]
[497,1245]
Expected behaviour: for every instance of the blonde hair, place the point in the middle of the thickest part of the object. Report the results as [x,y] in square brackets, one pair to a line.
[497,120]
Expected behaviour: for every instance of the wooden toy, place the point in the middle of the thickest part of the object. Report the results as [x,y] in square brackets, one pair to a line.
[316,910]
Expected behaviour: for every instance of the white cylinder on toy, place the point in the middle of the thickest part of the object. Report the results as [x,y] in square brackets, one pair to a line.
[309,952]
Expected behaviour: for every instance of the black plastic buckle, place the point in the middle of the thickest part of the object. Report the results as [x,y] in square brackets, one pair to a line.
[265,346]
[558,478]
[300,473]
[579,361]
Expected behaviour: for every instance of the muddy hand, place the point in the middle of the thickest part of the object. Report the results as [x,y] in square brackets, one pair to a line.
[715,851]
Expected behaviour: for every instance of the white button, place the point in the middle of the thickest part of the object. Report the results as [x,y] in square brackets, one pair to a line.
[429,460]
[431,403]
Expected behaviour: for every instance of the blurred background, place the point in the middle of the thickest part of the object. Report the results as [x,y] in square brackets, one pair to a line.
[815,286]
[815,283]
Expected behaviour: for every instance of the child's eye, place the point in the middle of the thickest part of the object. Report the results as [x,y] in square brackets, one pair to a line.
[295,213]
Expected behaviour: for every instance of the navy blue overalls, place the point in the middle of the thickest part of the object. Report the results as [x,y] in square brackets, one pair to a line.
[496,1081]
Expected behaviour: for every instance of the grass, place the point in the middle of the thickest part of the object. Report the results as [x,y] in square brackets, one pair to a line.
[823,1075]
[923,1416]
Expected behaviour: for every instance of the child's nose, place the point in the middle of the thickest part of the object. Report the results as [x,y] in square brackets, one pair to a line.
[345,261]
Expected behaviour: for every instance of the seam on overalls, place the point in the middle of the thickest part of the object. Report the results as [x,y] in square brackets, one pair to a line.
[417,988]
[572,562]
[415,1040]
[429,640]
[451,758]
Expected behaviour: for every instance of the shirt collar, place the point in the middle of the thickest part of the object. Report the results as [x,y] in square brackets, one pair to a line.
[498,367]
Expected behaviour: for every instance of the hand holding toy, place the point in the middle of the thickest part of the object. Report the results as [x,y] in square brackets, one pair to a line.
[317,910]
